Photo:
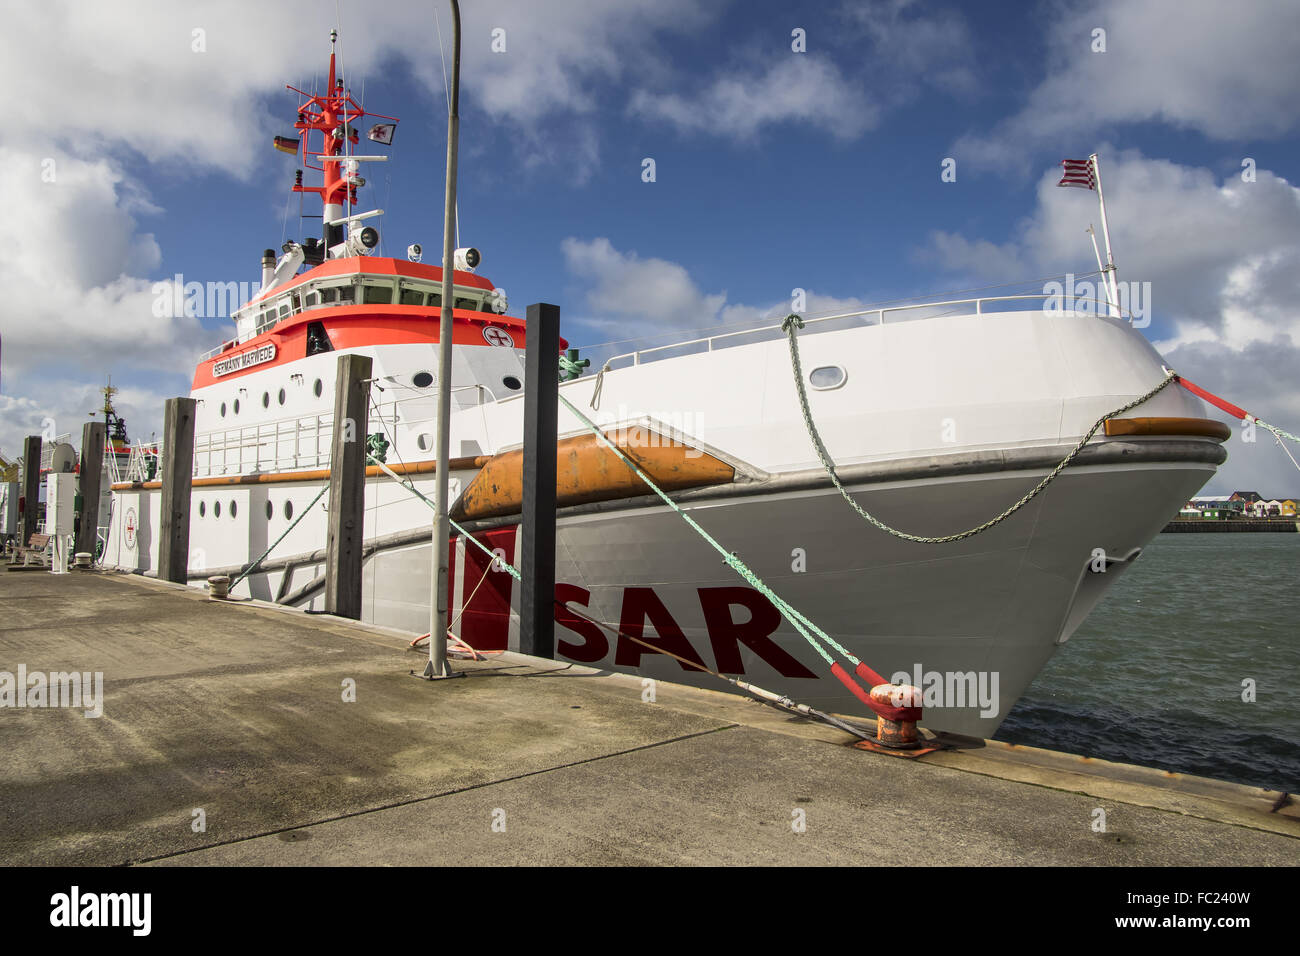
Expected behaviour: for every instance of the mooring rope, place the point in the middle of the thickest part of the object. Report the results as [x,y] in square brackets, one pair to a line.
[804,627]
[302,514]
[793,322]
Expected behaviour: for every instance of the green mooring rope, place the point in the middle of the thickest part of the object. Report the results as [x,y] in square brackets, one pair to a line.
[800,623]
[793,322]
[302,514]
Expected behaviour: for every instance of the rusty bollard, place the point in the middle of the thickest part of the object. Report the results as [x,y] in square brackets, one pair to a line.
[898,734]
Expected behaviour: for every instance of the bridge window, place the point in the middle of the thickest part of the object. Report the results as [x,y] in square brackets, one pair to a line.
[412,297]
[377,294]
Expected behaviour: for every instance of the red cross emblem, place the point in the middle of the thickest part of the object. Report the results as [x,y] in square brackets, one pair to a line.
[496,336]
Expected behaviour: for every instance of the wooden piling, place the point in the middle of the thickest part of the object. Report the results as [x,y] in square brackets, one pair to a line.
[31,488]
[174,501]
[541,383]
[92,464]
[344,540]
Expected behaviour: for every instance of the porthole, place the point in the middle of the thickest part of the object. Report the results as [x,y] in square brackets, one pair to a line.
[318,387]
[270,509]
[233,509]
[281,396]
[422,379]
[512,383]
[236,406]
[424,441]
[223,409]
[203,509]
[216,509]
[288,509]
[826,377]
[266,399]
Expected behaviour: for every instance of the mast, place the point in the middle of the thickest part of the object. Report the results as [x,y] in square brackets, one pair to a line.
[333,115]
[1109,271]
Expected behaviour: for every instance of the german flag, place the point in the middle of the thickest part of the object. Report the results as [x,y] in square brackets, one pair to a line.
[287,144]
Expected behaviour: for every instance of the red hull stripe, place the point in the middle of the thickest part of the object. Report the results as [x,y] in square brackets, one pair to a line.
[485,594]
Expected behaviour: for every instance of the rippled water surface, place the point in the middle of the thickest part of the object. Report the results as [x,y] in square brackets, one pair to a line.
[1155,675]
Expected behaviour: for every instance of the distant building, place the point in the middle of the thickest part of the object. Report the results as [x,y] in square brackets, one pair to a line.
[1288,507]
[1245,496]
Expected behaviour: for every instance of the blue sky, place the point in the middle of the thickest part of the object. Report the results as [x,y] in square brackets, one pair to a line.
[774,169]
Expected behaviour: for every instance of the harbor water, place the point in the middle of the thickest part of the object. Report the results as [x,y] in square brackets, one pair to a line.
[1156,675]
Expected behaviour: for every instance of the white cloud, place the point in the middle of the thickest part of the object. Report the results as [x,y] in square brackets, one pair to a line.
[879,56]
[653,293]
[915,49]
[651,301]
[797,88]
[1227,71]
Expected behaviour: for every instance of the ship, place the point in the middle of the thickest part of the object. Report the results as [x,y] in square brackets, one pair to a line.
[933,417]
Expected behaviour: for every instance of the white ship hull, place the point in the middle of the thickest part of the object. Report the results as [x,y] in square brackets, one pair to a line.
[940,424]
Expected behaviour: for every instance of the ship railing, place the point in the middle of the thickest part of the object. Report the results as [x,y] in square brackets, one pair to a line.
[860,317]
[287,444]
[137,462]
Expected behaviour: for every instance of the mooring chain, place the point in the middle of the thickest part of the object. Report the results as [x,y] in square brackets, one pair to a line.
[793,323]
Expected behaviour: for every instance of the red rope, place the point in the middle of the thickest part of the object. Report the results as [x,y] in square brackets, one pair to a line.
[1239,413]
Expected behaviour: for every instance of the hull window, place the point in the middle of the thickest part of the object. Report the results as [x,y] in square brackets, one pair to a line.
[826,377]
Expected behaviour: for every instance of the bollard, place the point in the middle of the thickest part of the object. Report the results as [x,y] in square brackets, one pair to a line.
[219,587]
[81,560]
[898,734]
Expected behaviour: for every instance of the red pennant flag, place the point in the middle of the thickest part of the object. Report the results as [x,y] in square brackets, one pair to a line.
[1078,172]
